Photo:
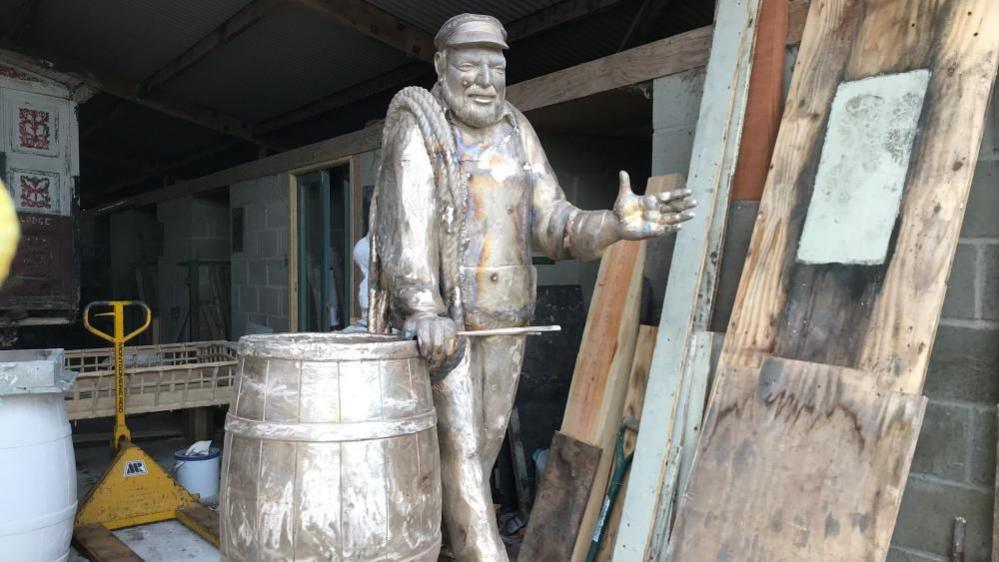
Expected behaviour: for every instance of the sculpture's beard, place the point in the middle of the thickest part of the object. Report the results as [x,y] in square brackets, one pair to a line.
[468,111]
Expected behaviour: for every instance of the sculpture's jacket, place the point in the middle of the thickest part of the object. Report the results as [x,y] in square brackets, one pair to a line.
[509,205]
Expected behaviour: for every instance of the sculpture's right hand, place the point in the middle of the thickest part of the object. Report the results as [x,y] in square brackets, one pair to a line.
[436,337]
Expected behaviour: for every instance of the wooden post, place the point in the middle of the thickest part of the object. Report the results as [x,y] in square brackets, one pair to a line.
[691,287]
[765,102]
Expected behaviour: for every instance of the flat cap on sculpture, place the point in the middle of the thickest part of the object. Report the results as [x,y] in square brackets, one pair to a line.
[471,29]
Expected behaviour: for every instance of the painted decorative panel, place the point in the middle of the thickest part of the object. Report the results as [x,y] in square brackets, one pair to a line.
[36,192]
[35,127]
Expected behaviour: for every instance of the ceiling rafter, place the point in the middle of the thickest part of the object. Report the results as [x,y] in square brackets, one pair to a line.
[128,90]
[375,23]
[217,38]
[643,27]
[555,15]
[192,158]
[532,24]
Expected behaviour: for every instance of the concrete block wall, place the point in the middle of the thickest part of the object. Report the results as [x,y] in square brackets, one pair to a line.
[192,228]
[953,471]
[260,272]
[135,240]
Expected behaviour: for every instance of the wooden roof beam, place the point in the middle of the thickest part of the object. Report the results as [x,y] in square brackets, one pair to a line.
[527,26]
[403,75]
[375,23]
[128,90]
[557,14]
[216,39]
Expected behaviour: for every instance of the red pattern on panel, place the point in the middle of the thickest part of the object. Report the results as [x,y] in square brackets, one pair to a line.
[9,72]
[34,128]
[35,192]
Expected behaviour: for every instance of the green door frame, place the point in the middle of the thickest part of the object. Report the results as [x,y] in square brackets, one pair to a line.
[315,180]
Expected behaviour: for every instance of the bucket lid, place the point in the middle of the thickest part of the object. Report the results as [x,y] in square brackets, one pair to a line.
[181,455]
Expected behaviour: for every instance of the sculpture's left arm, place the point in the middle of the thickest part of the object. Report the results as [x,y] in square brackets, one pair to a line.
[562,231]
[559,229]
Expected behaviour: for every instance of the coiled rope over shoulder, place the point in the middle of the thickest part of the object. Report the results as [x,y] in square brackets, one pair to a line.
[451,190]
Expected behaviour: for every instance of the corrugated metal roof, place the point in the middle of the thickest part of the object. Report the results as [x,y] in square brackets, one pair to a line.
[290,58]
[134,38]
[430,15]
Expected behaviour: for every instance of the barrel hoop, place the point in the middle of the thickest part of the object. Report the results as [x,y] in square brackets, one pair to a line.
[329,432]
[40,522]
[327,347]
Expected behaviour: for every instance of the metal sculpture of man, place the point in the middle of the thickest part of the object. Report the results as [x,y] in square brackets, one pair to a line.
[465,193]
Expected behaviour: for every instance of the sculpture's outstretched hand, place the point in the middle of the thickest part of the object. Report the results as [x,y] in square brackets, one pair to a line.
[649,216]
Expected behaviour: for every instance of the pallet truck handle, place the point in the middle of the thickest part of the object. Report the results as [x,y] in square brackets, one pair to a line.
[117,309]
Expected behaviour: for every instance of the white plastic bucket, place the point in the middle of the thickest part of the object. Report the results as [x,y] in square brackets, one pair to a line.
[37,478]
[199,474]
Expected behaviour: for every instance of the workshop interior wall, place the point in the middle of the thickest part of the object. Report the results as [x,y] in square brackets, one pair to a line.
[259,274]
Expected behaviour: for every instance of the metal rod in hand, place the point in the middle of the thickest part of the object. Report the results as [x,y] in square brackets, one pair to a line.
[520,331]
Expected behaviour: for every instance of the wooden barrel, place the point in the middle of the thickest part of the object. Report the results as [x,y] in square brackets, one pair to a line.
[330,452]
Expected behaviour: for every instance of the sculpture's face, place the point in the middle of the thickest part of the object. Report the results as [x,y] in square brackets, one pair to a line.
[473,81]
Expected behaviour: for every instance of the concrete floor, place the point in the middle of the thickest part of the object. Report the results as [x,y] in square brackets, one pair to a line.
[168,541]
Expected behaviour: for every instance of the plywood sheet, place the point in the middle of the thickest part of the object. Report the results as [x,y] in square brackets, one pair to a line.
[879,318]
[798,461]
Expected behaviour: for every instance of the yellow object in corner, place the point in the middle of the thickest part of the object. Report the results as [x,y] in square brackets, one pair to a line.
[10,231]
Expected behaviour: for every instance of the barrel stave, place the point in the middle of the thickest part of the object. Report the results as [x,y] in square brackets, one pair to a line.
[320,398]
[276,499]
[239,498]
[319,521]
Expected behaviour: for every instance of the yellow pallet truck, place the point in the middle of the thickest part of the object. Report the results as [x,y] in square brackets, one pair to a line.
[134,490]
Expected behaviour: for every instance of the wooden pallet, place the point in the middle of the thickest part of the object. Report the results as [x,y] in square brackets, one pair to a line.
[159,378]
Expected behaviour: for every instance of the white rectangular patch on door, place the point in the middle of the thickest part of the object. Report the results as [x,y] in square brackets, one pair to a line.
[862,169]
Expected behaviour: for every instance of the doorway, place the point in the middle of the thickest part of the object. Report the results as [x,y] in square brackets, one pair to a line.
[325,275]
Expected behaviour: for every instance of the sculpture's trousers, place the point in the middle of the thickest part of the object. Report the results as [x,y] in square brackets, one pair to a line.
[473,404]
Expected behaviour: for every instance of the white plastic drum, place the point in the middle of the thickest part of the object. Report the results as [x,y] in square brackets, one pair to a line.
[37,478]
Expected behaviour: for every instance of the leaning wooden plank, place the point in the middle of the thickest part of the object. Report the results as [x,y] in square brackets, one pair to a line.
[606,354]
[201,520]
[798,461]
[764,103]
[99,545]
[686,428]
[703,346]
[690,289]
[608,343]
[878,85]
[677,425]
[562,495]
[637,380]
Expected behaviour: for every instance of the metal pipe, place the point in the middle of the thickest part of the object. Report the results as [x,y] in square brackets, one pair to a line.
[521,331]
